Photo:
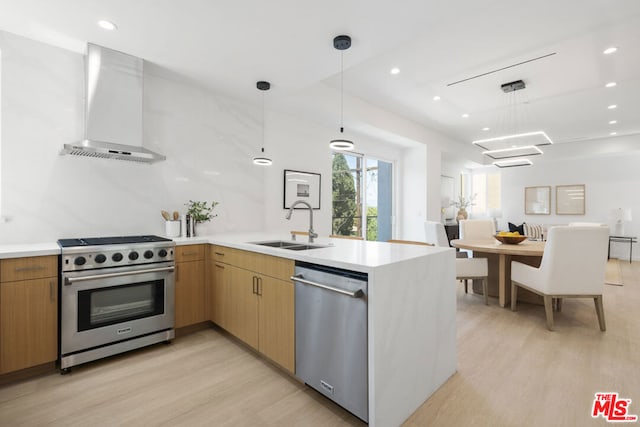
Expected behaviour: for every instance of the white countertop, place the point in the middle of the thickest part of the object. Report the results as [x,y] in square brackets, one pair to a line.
[25,250]
[349,254]
[342,253]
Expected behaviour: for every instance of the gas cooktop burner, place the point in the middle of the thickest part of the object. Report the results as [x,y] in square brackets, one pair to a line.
[116,240]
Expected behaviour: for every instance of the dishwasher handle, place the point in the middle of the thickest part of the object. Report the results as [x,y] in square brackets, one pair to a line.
[300,278]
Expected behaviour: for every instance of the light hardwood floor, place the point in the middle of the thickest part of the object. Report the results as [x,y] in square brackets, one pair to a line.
[512,371]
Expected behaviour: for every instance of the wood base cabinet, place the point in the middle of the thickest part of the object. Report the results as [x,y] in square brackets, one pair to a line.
[28,312]
[252,297]
[190,300]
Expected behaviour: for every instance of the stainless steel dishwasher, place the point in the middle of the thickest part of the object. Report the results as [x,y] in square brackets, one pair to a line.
[331,334]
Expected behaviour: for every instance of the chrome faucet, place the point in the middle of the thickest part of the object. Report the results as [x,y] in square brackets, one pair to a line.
[312,235]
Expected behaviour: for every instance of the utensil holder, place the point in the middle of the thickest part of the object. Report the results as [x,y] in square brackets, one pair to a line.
[172,228]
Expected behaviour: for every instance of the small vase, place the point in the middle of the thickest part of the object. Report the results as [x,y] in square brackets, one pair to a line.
[462,214]
[200,229]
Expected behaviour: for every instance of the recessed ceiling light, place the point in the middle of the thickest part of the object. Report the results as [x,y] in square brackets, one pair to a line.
[485,129]
[107,25]
[395,70]
[436,98]
[613,133]
[613,122]
[465,115]
[611,84]
[612,107]
[609,50]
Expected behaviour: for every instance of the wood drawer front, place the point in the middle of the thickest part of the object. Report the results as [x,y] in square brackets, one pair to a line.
[220,254]
[36,267]
[280,268]
[190,253]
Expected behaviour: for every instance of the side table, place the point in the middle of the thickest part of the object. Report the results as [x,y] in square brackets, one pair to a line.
[629,239]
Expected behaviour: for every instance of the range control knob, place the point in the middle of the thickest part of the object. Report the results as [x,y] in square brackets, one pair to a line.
[162,253]
[148,254]
[117,257]
[80,260]
[100,258]
[133,255]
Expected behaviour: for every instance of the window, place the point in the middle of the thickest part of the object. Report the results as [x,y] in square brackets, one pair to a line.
[488,199]
[362,196]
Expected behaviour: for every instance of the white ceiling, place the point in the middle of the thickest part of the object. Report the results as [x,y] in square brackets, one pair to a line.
[229,45]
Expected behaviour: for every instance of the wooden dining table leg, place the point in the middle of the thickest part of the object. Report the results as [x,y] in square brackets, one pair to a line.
[502,280]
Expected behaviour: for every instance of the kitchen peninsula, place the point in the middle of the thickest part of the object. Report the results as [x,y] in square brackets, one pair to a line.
[410,311]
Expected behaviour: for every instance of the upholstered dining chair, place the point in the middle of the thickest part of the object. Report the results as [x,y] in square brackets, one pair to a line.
[338,236]
[436,234]
[573,266]
[477,229]
[466,268]
[409,242]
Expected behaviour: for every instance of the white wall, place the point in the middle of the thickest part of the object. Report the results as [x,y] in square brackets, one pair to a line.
[208,139]
[413,210]
[611,182]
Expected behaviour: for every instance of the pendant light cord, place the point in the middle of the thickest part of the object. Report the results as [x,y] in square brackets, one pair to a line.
[341,91]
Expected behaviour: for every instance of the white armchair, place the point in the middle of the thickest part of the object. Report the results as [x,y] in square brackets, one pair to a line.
[477,229]
[466,268]
[573,266]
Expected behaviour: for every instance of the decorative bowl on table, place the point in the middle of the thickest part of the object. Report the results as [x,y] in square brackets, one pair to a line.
[510,240]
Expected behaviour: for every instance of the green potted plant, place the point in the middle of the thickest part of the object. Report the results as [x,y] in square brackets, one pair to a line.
[200,212]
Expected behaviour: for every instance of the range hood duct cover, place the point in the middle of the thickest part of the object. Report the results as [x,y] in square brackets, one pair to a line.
[113,108]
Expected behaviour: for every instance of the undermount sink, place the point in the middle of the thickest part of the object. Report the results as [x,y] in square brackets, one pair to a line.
[283,244]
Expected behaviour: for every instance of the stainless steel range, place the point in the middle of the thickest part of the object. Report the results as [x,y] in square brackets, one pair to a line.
[116,294]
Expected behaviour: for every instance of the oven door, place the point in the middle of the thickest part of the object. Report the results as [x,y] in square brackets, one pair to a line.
[101,307]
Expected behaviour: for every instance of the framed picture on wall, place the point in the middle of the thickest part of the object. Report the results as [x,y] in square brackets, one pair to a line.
[537,200]
[570,199]
[299,185]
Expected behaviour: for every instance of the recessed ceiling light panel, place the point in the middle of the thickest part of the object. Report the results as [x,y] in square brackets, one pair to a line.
[395,70]
[612,107]
[537,138]
[436,98]
[611,84]
[613,122]
[107,25]
[610,50]
[465,115]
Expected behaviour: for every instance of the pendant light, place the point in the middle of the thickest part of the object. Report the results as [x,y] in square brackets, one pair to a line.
[511,149]
[341,43]
[262,159]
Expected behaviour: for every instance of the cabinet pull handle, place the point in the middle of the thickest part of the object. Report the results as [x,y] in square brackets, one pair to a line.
[260,286]
[34,268]
[219,253]
[255,285]
[51,291]
[219,265]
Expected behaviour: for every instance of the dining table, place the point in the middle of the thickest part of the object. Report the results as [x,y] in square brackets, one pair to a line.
[499,256]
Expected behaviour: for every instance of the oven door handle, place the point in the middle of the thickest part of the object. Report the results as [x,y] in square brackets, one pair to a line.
[70,280]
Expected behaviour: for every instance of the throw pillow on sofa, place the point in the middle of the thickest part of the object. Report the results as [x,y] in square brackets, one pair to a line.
[518,228]
[533,231]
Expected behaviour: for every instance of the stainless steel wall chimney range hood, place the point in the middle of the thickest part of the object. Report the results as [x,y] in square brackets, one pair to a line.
[113,108]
